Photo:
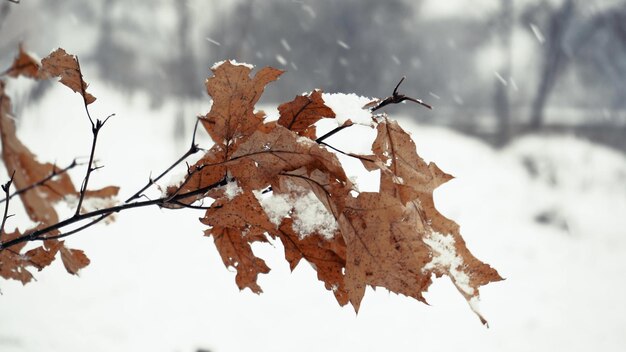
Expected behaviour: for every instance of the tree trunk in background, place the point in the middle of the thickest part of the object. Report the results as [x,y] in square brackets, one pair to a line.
[501,94]
[553,61]
[185,68]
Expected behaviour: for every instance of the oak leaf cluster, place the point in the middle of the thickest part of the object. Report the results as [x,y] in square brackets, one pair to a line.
[393,238]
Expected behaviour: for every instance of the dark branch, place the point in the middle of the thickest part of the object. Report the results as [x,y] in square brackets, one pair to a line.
[332,132]
[95,129]
[192,150]
[83,93]
[346,154]
[5,188]
[397,98]
[38,235]
[55,172]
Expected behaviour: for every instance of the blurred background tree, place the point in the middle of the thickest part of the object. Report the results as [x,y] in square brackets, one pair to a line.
[492,68]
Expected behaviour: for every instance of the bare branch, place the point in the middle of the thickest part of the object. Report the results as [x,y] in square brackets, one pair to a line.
[5,188]
[95,131]
[192,150]
[55,172]
[397,98]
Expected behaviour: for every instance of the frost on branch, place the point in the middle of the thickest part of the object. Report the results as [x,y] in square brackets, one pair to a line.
[394,238]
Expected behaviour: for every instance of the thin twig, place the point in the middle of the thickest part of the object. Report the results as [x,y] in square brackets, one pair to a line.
[83,93]
[95,131]
[5,188]
[332,132]
[356,156]
[191,206]
[192,150]
[397,98]
[55,172]
[38,235]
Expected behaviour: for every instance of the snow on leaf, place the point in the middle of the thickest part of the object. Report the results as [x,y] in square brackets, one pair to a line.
[327,260]
[266,154]
[398,160]
[65,66]
[383,249]
[349,107]
[234,94]
[240,212]
[303,112]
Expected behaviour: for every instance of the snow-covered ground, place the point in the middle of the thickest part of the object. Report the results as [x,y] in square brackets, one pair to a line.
[548,213]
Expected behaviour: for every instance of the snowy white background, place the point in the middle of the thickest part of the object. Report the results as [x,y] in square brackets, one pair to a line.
[156,284]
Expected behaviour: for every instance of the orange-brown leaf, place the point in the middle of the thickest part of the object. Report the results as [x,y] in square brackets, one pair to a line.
[65,66]
[17,157]
[240,212]
[13,264]
[38,201]
[24,65]
[266,154]
[383,247]
[300,114]
[234,95]
[235,250]
[73,259]
[315,249]
[407,178]
[407,175]
[105,192]
[41,256]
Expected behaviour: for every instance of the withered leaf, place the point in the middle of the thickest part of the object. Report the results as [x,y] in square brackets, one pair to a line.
[266,154]
[383,249]
[38,201]
[240,212]
[404,173]
[234,95]
[316,250]
[73,259]
[406,177]
[237,222]
[65,66]
[17,157]
[235,250]
[23,65]
[300,114]
[13,264]
[43,256]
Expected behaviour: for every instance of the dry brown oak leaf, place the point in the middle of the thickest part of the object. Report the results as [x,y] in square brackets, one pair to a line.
[67,68]
[23,65]
[13,264]
[39,200]
[236,223]
[234,95]
[409,180]
[303,112]
[58,64]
